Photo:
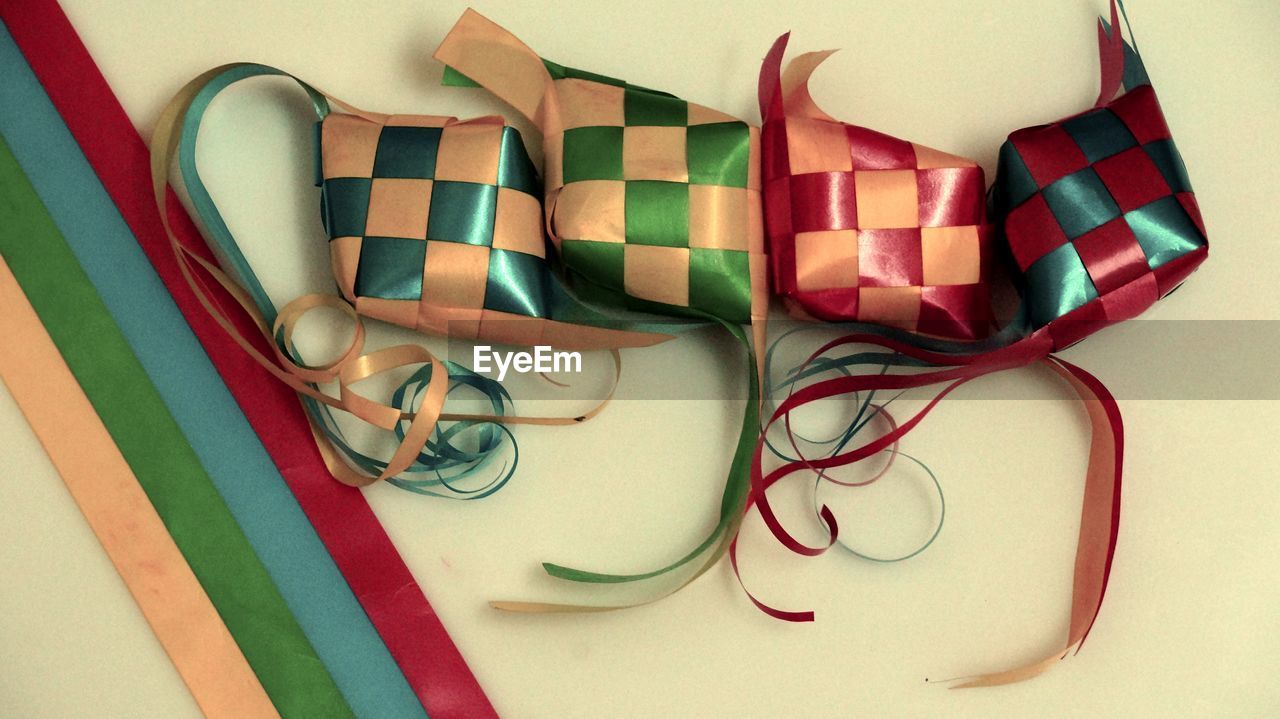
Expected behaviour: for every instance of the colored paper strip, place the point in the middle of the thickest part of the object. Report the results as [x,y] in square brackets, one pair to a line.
[343,519]
[161,459]
[190,387]
[116,508]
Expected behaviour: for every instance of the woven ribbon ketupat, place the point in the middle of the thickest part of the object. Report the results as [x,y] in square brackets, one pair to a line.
[1098,215]
[654,204]
[1097,209]
[866,227]
[435,224]
[647,196]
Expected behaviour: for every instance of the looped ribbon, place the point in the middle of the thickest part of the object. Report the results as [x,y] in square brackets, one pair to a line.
[1100,516]
[1147,201]
[418,405]
[868,411]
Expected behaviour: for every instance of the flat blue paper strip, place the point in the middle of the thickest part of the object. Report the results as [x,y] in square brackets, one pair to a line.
[191,388]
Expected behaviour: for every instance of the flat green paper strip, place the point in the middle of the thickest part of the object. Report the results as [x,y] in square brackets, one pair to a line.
[156,450]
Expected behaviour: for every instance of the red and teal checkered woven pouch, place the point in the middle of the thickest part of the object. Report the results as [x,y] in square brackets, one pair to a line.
[1096,209]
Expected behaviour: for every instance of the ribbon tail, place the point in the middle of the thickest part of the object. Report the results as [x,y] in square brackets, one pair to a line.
[953,370]
[1099,521]
[768,92]
[1121,64]
[487,55]
[1100,518]
[796,100]
[732,506]
[726,537]
[1111,57]
[1013,676]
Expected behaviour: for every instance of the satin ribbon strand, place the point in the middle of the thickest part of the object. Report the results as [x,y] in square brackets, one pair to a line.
[847,434]
[808,616]
[164,145]
[443,455]
[732,505]
[762,482]
[819,366]
[928,542]
[1103,494]
[1096,549]
[855,426]
[439,453]
[1101,511]
[1016,355]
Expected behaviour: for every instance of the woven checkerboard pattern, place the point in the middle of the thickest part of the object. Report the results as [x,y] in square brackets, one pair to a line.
[867,227]
[1098,212]
[433,220]
[653,196]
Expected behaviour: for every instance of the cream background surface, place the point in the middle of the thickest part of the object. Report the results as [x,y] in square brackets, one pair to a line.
[1190,626]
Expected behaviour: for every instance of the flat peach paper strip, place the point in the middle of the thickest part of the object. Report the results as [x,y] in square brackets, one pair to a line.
[109,496]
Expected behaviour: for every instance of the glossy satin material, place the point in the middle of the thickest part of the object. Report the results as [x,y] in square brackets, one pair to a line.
[653,202]
[1096,209]
[866,227]
[436,224]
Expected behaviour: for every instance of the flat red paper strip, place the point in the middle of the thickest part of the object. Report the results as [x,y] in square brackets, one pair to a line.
[342,518]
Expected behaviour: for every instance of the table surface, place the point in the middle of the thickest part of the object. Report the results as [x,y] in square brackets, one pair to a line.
[1189,627]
